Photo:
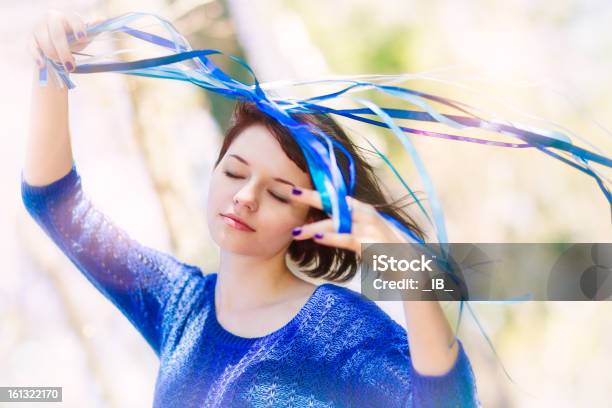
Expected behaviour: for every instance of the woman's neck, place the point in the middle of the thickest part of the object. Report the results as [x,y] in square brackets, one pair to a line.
[246,282]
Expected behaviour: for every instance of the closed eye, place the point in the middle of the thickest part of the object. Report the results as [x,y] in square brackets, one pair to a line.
[232,175]
[279,198]
[235,176]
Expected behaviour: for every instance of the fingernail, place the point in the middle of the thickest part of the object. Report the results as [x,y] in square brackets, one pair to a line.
[318,236]
[296,191]
[68,66]
[81,35]
[296,231]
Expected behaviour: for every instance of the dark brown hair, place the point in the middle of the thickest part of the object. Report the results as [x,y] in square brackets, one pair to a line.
[315,260]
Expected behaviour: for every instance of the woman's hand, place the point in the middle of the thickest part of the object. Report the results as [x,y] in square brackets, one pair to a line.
[368,226]
[50,38]
[429,333]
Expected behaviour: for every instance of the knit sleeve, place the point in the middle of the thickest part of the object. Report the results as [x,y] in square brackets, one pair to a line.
[387,378]
[140,281]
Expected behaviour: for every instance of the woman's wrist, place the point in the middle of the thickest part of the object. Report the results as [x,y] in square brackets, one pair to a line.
[53,84]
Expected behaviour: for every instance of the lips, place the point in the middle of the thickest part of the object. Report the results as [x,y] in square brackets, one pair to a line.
[236,222]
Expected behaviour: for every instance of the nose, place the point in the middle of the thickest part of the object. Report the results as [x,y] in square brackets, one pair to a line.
[245,197]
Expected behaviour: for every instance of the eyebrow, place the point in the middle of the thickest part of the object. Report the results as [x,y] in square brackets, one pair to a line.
[235,156]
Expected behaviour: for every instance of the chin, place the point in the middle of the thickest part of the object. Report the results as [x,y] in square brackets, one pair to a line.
[240,245]
[238,248]
[245,246]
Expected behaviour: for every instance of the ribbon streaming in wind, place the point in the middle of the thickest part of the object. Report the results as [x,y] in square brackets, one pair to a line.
[182,63]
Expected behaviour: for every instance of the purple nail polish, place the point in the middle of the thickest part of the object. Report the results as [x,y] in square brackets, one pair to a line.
[296,231]
[318,235]
[296,191]
[68,66]
[80,35]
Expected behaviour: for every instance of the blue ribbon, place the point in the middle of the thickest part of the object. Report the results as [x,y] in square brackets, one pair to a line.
[318,148]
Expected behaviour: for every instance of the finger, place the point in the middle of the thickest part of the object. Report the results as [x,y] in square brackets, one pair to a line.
[306,196]
[308,231]
[57,34]
[41,37]
[362,212]
[355,204]
[77,26]
[339,240]
[36,53]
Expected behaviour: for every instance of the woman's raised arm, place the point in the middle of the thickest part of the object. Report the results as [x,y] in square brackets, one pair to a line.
[48,150]
[148,286]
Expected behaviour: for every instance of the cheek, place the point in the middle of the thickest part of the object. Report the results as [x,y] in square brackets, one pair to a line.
[280,221]
[217,191]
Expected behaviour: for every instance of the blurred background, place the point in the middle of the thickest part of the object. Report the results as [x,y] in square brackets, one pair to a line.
[152,143]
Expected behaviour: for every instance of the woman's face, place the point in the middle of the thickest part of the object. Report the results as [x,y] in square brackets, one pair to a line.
[250,183]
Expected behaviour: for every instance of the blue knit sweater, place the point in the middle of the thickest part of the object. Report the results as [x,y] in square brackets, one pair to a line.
[340,350]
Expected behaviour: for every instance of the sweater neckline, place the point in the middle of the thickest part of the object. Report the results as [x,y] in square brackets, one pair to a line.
[224,336]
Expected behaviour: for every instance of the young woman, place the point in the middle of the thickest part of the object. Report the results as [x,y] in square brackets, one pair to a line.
[253,334]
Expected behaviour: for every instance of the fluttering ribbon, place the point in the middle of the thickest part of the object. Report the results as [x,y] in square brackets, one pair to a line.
[182,63]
